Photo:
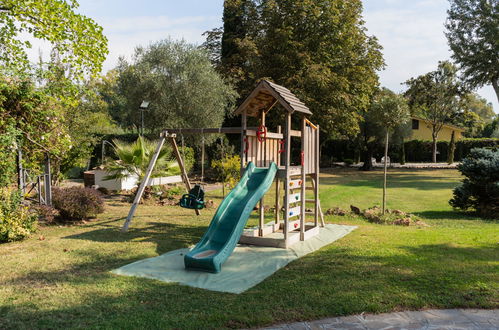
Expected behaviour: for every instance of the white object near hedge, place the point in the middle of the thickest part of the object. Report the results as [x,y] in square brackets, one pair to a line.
[129,182]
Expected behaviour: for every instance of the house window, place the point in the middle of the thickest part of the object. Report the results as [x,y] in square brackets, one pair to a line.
[415,124]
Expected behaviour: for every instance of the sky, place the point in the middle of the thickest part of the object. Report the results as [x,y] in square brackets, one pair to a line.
[411,32]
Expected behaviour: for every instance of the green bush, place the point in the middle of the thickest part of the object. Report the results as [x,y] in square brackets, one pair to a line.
[16,220]
[77,203]
[187,154]
[228,169]
[480,187]
[417,151]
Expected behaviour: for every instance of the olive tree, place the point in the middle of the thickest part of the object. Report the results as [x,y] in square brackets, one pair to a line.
[178,80]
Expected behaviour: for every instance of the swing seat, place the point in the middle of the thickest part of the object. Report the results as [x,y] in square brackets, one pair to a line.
[194,199]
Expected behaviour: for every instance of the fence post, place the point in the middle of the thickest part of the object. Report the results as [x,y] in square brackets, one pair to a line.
[48,181]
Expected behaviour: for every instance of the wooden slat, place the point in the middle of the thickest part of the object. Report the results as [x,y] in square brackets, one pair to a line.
[304,150]
[295,184]
[294,198]
[294,211]
[292,225]
[287,161]
[270,135]
[220,130]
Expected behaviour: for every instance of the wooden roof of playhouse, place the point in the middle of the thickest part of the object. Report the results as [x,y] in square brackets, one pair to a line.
[265,95]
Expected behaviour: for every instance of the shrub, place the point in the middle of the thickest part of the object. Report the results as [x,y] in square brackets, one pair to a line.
[46,214]
[480,187]
[187,154]
[348,161]
[228,170]
[77,203]
[414,150]
[16,220]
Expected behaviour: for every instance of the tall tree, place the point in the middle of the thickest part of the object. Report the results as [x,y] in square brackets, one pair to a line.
[434,97]
[473,102]
[318,49]
[178,80]
[77,38]
[389,111]
[472,30]
[474,114]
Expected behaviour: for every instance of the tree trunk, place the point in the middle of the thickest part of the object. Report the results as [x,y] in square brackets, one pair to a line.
[495,84]
[452,149]
[367,155]
[402,153]
[434,149]
[384,172]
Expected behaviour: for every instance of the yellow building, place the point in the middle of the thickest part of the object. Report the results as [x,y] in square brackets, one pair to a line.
[421,130]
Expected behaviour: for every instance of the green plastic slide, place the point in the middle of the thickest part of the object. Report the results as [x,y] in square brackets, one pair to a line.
[229,221]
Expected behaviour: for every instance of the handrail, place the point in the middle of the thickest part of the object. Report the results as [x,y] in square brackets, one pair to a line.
[311,124]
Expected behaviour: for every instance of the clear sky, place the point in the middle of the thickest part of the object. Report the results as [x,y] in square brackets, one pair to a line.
[411,32]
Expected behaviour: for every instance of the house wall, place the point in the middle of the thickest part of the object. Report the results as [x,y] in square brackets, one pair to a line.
[424,132]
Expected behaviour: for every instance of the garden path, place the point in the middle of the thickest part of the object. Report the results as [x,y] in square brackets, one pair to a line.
[428,320]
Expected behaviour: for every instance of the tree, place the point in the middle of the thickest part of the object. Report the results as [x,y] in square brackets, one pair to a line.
[317,49]
[77,38]
[32,120]
[472,30]
[472,102]
[490,129]
[434,97]
[474,114]
[182,86]
[134,159]
[389,111]
[480,187]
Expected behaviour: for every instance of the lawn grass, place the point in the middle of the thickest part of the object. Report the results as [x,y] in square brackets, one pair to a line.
[63,281]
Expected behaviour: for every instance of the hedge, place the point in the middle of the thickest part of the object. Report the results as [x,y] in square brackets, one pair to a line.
[416,151]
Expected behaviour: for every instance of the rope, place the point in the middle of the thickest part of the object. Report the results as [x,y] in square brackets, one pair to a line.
[202,159]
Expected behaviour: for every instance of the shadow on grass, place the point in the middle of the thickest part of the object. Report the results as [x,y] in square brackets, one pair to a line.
[450,214]
[333,281]
[419,182]
[166,236]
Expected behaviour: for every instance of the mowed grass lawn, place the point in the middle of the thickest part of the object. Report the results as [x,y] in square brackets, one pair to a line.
[63,281]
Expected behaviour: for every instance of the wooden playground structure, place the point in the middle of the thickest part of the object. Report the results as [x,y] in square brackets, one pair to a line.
[262,146]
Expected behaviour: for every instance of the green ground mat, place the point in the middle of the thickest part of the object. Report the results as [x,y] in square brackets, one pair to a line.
[245,268]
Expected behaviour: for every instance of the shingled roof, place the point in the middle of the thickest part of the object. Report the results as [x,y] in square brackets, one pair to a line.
[265,95]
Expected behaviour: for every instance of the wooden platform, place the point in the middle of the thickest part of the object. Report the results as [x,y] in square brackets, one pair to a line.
[274,237]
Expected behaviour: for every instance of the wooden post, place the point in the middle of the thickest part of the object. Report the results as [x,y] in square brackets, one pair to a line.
[317,206]
[39,187]
[277,184]
[143,184]
[261,221]
[277,203]
[243,143]
[304,147]
[180,161]
[287,161]
[384,171]
[47,181]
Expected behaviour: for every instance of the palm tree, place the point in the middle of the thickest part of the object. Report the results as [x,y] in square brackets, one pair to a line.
[134,158]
